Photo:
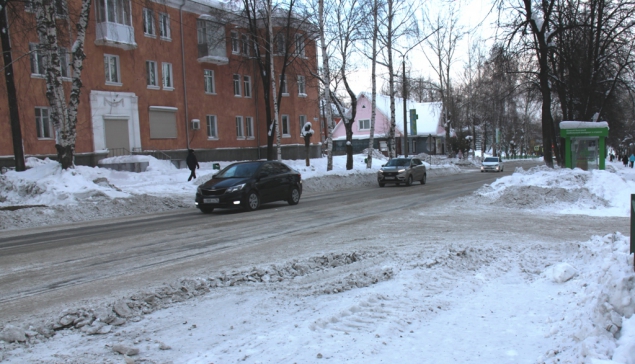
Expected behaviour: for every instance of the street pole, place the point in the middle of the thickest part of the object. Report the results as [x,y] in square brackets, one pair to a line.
[405,119]
[14,115]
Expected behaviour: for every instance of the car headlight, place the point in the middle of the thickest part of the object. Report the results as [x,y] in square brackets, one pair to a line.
[235,188]
[380,171]
[401,170]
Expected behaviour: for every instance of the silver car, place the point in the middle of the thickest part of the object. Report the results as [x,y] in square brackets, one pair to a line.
[494,164]
[402,170]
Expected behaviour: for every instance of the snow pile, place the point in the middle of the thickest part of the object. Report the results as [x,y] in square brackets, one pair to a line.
[100,320]
[46,195]
[565,191]
[602,304]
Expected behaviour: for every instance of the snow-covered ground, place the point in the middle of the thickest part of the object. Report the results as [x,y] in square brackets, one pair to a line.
[450,300]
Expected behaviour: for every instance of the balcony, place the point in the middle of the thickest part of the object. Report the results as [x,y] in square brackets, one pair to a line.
[211,53]
[115,35]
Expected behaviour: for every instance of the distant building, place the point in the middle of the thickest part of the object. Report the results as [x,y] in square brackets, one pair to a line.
[428,138]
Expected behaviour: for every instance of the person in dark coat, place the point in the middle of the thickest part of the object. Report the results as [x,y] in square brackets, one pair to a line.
[625,160]
[192,164]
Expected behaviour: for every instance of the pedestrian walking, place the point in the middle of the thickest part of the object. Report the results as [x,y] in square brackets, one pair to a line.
[625,160]
[192,163]
[631,159]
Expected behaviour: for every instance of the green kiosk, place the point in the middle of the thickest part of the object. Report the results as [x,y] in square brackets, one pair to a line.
[585,144]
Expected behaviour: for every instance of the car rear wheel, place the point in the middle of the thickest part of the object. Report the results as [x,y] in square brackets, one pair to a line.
[409,181]
[206,210]
[252,201]
[294,196]
[423,179]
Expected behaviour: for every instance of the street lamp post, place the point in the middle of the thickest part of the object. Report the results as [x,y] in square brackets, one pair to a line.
[405,119]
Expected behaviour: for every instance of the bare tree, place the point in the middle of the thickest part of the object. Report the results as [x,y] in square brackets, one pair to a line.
[375,11]
[348,20]
[325,78]
[443,44]
[278,33]
[398,22]
[63,114]
[533,25]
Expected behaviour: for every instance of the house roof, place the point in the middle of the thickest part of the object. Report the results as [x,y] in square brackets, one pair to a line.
[428,114]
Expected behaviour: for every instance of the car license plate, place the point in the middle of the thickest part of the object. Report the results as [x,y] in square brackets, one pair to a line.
[210,200]
[389,178]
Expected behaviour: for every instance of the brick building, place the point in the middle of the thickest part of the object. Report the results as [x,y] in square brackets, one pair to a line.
[162,77]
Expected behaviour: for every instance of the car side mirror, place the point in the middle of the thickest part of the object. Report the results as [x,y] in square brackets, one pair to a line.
[214,176]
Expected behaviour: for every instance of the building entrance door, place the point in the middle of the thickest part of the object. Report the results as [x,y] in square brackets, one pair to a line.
[117,137]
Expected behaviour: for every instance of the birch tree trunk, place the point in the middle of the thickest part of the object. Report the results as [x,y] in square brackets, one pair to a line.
[64,116]
[273,86]
[327,91]
[391,81]
[373,77]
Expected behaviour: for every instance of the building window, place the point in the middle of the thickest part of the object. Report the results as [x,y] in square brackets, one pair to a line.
[283,85]
[249,127]
[247,85]
[244,43]
[239,127]
[237,85]
[43,123]
[364,124]
[164,26]
[210,88]
[302,121]
[111,67]
[38,61]
[114,11]
[301,86]
[166,74]
[278,44]
[151,73]
[148,22]
[299,45]
[235,46]
[212,129]
[162,122]
[285,125]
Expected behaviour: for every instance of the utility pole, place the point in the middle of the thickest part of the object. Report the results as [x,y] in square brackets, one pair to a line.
[14,115]
[405,120]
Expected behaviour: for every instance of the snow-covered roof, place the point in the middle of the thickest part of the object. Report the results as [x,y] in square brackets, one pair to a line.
[583,124]
[428,114]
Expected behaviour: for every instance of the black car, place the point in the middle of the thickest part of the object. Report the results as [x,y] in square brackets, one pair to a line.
[249,184]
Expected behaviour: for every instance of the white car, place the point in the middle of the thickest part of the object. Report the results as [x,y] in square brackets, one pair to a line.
[492,164]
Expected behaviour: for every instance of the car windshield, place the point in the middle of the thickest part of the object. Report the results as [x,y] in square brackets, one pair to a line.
[491,159]
[398,162]
[241,170]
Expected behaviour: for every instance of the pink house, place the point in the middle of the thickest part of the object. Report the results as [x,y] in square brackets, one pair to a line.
[429,132]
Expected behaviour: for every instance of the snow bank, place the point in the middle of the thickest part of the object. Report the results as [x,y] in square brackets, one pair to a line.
[602,304]
[564,191]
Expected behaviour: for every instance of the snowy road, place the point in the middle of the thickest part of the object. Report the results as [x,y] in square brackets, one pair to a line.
[49,268]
